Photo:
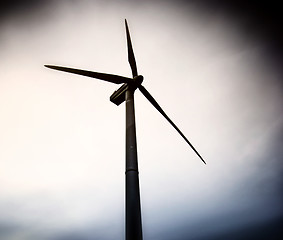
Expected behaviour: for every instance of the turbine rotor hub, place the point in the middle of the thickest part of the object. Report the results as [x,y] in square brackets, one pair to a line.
[138,80]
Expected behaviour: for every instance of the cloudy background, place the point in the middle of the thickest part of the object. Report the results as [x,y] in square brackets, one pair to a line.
[213,67]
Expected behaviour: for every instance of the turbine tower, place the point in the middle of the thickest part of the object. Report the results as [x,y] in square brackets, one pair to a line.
[126,93]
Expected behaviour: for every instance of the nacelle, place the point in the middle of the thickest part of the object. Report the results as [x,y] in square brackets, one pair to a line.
[119,95]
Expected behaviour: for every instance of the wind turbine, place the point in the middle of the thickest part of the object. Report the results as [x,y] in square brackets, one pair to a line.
[126,93]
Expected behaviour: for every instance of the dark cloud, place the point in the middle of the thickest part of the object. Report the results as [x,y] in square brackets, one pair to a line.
[262,15]
[271,230]
[268,230]
[11,7]
[260,19]
[8,229]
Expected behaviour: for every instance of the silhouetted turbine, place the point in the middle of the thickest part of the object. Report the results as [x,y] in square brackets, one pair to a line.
[126,92]
[131,81]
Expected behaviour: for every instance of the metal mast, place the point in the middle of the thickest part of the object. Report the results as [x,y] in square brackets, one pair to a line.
[133,207]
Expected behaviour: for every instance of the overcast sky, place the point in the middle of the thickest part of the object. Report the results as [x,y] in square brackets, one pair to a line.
[213,69]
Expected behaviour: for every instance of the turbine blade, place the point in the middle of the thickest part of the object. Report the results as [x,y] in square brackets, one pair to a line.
[102,76]
[156,105]
[131,56]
